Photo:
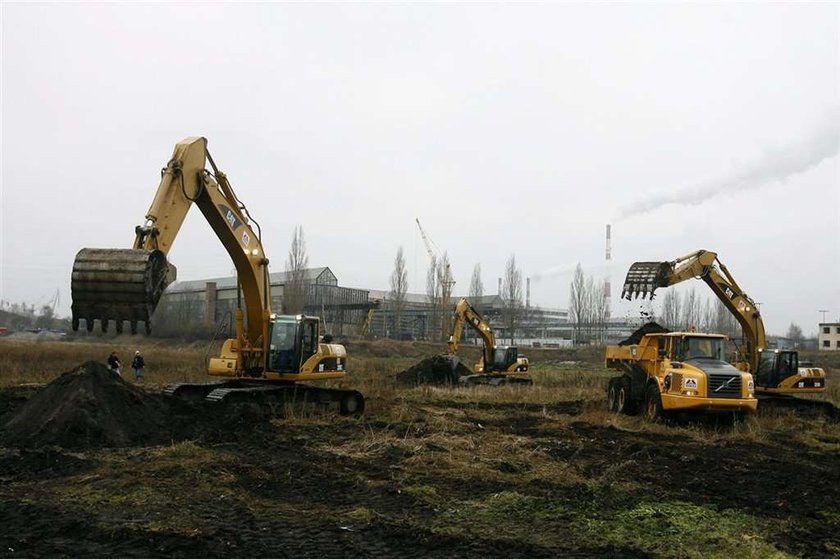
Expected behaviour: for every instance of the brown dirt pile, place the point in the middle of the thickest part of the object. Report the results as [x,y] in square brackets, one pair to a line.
[440,369]
[87,407]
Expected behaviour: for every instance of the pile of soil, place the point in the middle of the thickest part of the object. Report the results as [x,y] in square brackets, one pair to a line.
[87,407]
[443,369]
[647,328]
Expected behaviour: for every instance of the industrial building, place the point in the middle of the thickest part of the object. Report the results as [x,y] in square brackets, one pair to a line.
[209,305]
[828,338]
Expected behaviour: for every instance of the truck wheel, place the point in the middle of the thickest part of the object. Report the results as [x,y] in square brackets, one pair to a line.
[653,404]
[612,395]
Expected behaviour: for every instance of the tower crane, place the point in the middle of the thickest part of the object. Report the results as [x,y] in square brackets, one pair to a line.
[448,281]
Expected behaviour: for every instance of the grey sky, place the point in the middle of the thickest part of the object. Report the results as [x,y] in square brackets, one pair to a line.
[506,128]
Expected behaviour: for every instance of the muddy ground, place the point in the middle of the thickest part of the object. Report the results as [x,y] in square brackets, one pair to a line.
[439,475]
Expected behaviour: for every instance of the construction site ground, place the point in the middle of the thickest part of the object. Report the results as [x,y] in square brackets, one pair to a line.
[95,466]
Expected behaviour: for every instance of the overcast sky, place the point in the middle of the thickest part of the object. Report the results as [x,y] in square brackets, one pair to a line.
[507,129]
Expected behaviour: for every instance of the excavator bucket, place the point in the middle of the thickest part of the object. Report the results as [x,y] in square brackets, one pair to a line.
[643,278]
[119,285]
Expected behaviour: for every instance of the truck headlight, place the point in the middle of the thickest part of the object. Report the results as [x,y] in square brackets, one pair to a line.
[750,386]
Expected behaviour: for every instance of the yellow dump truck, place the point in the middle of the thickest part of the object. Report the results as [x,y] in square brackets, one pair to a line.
[668,373]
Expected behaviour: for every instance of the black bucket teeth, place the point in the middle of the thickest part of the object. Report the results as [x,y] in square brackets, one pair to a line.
[643,278]
[119,285]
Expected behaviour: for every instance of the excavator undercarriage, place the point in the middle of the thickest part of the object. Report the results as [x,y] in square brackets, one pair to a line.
[271,396]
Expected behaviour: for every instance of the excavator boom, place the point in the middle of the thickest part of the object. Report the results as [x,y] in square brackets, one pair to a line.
[126,284]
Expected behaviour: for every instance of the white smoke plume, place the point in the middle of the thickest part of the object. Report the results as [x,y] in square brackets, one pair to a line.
[774,165]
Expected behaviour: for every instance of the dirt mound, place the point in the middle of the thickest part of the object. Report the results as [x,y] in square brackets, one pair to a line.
[440,369]
[87,407]
[647,328]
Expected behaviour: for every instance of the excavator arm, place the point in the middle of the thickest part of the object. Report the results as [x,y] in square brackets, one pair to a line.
[126,285]
[466,314]
[644,278]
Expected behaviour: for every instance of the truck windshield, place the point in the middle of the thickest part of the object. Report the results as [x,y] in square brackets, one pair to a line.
[701,348]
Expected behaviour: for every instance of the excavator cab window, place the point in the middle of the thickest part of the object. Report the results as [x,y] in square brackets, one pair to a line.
[504,357]
[788,364]
[309,342]
[282,355]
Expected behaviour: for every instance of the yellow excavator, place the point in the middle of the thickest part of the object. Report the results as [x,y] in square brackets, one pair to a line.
[374,304]
[776,371]
[270,354]
[498,364]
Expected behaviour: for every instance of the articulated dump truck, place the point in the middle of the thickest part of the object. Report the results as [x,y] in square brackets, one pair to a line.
[669,373]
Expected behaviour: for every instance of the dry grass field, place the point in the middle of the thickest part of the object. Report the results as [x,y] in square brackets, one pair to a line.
[541,471]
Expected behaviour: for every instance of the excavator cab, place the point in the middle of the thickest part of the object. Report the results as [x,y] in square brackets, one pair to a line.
[504,357]
[774,366]
[779,371]
[294,340]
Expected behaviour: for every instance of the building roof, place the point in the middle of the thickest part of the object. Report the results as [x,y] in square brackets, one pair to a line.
[310,275]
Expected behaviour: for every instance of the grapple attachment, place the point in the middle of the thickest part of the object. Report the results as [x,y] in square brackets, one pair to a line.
[644,277]
[118,285]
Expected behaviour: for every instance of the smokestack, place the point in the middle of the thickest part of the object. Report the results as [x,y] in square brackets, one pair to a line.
[607,287]
[500,286]
[527,294]
[609,249]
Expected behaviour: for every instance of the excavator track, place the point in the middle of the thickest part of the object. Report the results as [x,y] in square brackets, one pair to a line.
[768,402]
[118,284]
[494,380]
[272,396]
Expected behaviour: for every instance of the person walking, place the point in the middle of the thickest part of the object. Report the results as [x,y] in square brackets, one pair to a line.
[138,363]
[114,364]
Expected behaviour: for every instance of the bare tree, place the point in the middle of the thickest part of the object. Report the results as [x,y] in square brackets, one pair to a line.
[476,286]
[512,296]
[794,332]
[445,281]
[692,311]
[671,309]
[399,287]
[432,294]
[294,291]
[578,302]
[723,321]
[45,318]
[601,309]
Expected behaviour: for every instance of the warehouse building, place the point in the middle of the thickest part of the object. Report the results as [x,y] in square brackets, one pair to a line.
[210,305]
